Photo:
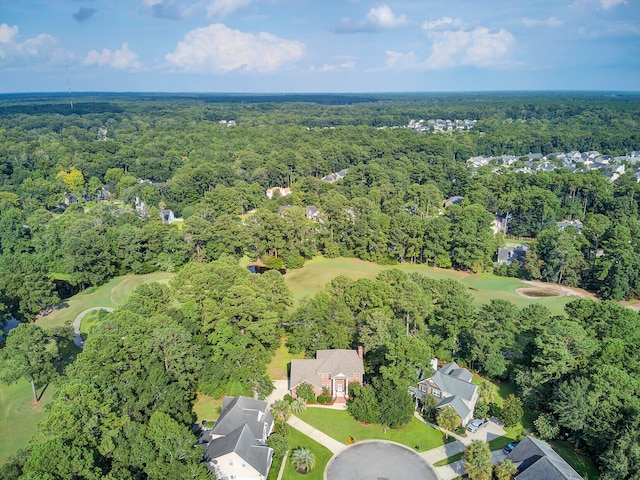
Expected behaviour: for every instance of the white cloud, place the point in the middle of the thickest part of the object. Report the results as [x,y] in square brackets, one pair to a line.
[454,45]
[335,67]
[218,49]
[7,33]
[32,52]
[444,23]
[607,4]
[549,22]
[604,4]
[402,61]
[377,20]
[224,8]
[123,59]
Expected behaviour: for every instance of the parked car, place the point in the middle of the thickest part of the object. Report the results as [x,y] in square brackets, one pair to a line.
[477,424]
[510,447]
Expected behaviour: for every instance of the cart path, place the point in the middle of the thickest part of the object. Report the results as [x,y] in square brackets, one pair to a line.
[77,338]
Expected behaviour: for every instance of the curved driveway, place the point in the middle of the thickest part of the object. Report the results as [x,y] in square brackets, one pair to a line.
[77,338]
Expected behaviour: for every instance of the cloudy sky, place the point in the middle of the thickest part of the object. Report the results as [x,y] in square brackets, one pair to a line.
[318,45]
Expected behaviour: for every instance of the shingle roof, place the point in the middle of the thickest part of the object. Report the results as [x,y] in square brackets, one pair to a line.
[455,381]
[537,460]
[333,362]
[242,427]
[237,411]
[458,405]
[242,442]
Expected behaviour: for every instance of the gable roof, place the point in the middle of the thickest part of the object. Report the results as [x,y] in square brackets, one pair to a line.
[238,411]
[242,442]
[455,381]
[333,362]
[457,404]
[537,459]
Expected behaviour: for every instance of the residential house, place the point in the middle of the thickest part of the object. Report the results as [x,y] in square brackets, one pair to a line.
[333,370]
[334,177]
[453,387]
[500,224]
[167,216]
[455,200]
[512,252]
[282,191]
[236,445]
[575,223]
[312,213]
[536,460]
[141,208]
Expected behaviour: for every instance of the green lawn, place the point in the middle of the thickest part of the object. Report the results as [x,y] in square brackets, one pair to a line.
[581,464]
[278,369]
[19,416]
[322,454]
[111,294]
[206,407]
[340,425]
[319,271]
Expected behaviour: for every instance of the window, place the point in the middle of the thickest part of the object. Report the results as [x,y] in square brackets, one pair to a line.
[423,388]
[436,393]
[351,375]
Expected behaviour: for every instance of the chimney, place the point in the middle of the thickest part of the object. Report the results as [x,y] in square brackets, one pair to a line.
[360,352]
[434,364]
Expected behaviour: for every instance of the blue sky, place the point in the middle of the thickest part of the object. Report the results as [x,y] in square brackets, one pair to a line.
[318,45]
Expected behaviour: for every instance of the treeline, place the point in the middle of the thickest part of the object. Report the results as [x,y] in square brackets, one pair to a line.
[387,209]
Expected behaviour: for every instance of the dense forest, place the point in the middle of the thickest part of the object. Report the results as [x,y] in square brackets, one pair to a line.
[70,179]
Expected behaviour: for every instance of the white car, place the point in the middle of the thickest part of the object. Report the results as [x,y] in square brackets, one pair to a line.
[477,424]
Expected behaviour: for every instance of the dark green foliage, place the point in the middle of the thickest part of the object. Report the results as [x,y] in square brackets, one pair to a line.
[512,411]
[279,443]
[305,390]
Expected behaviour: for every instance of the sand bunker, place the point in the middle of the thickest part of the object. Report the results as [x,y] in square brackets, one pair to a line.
[545,290]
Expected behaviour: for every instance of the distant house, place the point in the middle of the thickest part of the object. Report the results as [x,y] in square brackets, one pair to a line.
[141,208]
[334,177]
[236,445]
[281,191]
[455,200]
[570,223]
[536,460]
[512,252]
[453,387]
[500,224]
[167,216]
[334,370]
[312,212]
[282,209]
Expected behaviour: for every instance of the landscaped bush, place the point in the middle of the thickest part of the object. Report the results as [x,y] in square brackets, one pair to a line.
[461,431]
[321,399]
[305,390]
[287,398]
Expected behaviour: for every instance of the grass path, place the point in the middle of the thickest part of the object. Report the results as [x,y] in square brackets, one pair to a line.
[319,271]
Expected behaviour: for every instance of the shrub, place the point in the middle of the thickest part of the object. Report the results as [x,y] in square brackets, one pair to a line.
[287,398]
[305,390]
[321,399]
[279,443]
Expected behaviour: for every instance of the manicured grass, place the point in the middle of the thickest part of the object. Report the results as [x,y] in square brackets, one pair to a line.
[581,464]
[111,294]
[323,455]
[339,424]
[19,416]
[278,369]
[206,407]
[319,271]
[89,322]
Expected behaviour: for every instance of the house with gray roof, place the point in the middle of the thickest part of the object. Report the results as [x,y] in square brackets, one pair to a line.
[536,459]
[333,370]
[236,445]
[452,385]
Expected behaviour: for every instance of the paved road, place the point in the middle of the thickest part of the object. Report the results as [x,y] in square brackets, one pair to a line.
[77,338]
[377,459]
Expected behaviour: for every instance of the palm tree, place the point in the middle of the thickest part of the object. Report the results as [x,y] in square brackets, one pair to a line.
[477,458]
[506,470]
[448,419]
[281,411]
[486,391]
[303,460]
[297,406]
